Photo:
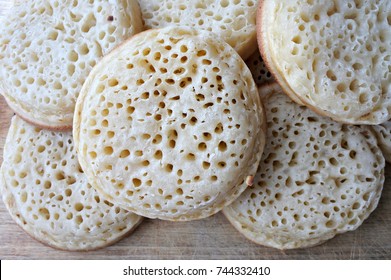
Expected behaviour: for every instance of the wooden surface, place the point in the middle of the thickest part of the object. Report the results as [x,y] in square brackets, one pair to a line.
[212,238]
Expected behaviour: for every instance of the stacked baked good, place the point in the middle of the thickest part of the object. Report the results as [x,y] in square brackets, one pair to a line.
[168,123]
[317,178]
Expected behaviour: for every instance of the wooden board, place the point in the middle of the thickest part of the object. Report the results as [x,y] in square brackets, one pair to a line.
[212,238]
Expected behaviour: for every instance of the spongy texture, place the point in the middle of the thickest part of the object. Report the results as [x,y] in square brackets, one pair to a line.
[383,135]
[47,49]
[317,178]
[48,195]
[232,20]
[170,124]
[259,70]
[332,55]
[268,89]
[6,6]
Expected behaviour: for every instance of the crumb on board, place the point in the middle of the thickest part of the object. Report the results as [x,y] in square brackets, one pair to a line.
[250,180]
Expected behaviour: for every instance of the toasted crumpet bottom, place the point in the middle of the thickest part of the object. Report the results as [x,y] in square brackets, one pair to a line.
[170,124]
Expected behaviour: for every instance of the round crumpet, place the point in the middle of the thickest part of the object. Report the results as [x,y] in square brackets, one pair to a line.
[169,125]
[48,195]
[259,70]
[47,49]
[333,56]
[317,178]
[383,135]
[232,21]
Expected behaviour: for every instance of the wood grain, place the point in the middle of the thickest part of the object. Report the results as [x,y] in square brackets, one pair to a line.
[212,238]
